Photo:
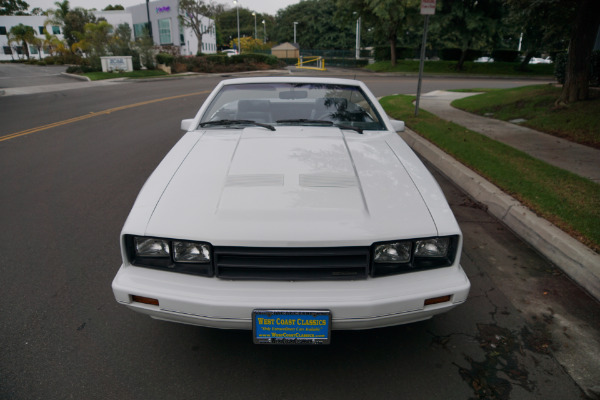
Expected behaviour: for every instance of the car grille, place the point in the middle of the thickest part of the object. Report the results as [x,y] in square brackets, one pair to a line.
[339,263]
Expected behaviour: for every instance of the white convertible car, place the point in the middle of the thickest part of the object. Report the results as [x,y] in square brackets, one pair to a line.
[291,208]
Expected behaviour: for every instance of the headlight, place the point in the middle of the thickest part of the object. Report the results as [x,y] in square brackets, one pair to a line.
[151,247]
[190,252]
[398,252]
[413,255]
[436,247]
[170,254]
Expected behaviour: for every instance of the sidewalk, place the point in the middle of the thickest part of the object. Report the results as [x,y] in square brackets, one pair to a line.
[581,160]
[578,261]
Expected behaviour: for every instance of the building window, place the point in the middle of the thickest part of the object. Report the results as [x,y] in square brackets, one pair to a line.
[56,30]
[2,30]
[33,49]
[41,30]
[181,38]
[164,31]
[7,50]
[140,30]
[19,50]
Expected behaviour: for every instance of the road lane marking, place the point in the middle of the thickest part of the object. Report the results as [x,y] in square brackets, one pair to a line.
[94,114]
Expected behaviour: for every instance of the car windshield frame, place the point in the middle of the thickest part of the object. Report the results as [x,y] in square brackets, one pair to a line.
[294,103]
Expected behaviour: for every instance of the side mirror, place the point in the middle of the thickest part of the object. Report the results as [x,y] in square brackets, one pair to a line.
[186,124]
[397,125]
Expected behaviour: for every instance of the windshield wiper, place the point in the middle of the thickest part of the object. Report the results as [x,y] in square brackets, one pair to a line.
[237,122]
[318,121]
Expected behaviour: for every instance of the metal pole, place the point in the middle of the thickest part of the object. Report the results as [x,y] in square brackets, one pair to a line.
[149,23]
[254,25]
[421,64]
[238,26]
[358,38]
[295,23]
[264,31]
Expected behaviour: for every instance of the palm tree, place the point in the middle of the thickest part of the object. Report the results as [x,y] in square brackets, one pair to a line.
[24,35]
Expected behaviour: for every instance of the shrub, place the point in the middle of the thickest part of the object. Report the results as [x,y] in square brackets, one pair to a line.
[165,58]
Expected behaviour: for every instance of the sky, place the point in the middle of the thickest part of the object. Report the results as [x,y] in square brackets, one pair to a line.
[261,6]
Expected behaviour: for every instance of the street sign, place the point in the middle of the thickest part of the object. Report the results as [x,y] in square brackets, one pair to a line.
[427,7]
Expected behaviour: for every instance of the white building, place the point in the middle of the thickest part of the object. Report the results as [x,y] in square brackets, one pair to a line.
[15,50]
[166,29]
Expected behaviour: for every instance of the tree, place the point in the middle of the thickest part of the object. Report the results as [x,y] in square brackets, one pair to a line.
[120,42]
[38,11]
[191,14]
[387,17]
[318,27]
[468,24]
[583,36]
[544,24]
[75,22]
[94,41]
[116,7]
[13,7]
[226,22]
[23,35]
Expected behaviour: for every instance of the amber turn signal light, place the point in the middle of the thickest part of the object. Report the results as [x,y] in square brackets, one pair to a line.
[144,300]
[437,300]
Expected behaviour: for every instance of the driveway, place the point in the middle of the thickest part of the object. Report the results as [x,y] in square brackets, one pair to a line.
[22,75]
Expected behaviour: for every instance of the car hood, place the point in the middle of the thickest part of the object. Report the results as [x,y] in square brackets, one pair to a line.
[297,186]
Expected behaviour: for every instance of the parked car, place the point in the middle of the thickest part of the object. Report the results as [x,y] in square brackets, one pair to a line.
[291,208]
[539,60]
[230,52]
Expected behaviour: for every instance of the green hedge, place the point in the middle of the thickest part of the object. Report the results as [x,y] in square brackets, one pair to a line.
[505,55]
[453,54]
[384,53]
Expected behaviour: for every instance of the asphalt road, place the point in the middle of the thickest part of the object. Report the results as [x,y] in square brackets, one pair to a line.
[70,171]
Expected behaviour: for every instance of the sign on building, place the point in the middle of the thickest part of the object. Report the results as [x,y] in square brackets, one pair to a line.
[116,64]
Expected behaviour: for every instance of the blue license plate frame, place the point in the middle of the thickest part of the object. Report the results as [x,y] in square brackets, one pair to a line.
[292,327]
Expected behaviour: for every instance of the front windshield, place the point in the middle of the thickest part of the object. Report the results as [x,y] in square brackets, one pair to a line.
[294,103]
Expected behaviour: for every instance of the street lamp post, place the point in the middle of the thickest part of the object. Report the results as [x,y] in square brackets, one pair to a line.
[358,38]
[295,23]
[264,31]
[238,24]
[149,23]
[254,14]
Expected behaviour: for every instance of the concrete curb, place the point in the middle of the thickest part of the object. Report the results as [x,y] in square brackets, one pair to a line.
[578,261]
[77,77]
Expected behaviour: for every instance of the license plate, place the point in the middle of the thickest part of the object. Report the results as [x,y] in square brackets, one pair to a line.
[291,326]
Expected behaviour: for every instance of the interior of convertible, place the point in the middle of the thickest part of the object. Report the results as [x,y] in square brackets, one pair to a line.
[294,104]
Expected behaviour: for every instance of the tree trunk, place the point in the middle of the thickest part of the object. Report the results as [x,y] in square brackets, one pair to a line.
[461,61]
[582,40]
[393,51]
[528,56]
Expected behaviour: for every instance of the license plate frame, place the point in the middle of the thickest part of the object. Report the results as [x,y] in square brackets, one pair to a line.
[292,327]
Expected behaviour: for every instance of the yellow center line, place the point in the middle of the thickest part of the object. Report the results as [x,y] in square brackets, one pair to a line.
[94,114]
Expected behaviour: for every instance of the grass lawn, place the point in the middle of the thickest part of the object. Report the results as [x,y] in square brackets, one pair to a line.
[579,122]
[470,68]
[96,76]
[567,200]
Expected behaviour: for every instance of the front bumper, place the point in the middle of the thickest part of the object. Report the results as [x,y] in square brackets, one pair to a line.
[363,304]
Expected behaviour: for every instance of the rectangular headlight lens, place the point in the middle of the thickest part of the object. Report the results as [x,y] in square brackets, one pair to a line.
[397,252]
[190,252]
[435,247]
[151,247]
